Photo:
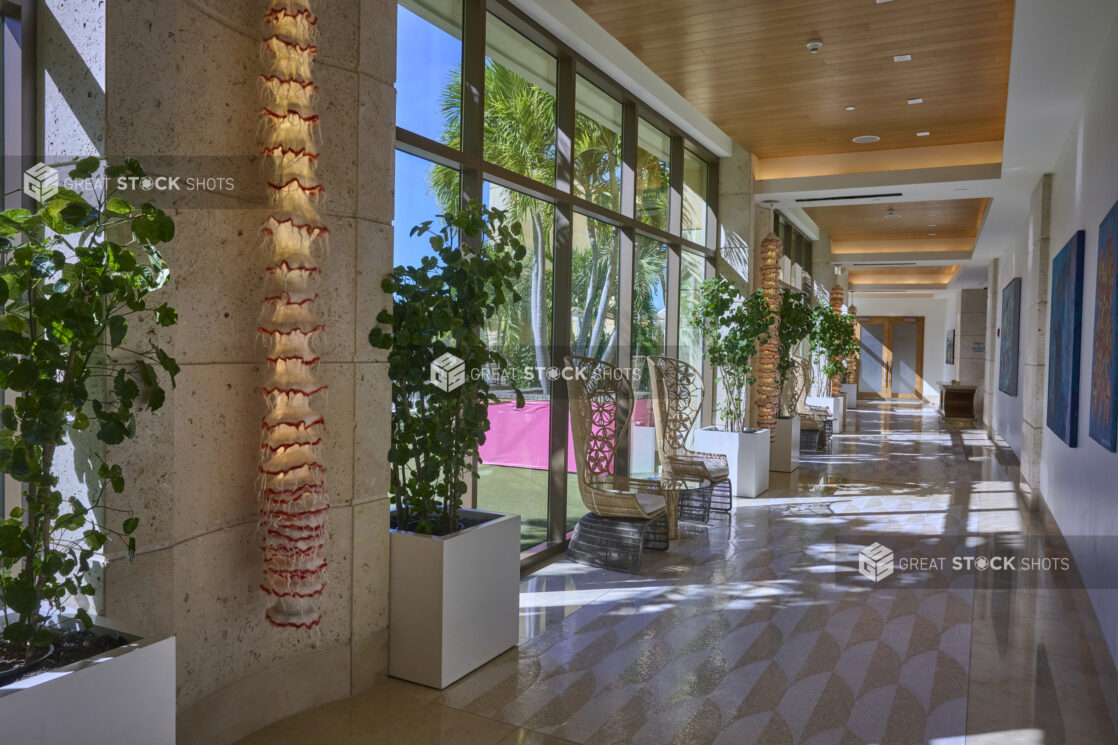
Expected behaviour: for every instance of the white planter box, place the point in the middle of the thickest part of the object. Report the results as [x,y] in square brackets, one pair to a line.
[125,696]
[454,601]
[850,390]
[834,404]
[786,445]
[747,454]
[642,446]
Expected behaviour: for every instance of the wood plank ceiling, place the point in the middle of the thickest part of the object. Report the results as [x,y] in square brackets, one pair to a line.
[745,65]
[952,218]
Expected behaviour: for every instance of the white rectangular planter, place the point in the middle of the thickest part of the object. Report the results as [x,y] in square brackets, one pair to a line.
[786,445]
[833,404]
[747,454]
[850,390]
[454,600]
[125,696]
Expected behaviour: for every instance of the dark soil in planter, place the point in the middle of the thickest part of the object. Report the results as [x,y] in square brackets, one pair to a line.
[69,647]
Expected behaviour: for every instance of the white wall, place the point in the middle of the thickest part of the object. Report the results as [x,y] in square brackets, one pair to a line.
[935,316]
[1078,483]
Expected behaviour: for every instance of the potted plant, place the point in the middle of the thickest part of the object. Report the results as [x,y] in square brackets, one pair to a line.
[793,324]
[833,342]
[733,328]
[455,573]
[73,276]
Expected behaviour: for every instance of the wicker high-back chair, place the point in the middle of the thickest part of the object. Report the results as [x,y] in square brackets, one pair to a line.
[626,515]
[677,395]
[812,418]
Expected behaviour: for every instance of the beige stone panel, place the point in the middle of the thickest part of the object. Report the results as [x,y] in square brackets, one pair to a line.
[339,24]
[336,290]
[243,16]
[370,568]
[338,442]
[374,263]
[378,40]
[372,412]
[223,635]
[217,447]
[142,62]
[148,464]
[369,663]
[375,151]
[217,286]
[338,137]
[301,682]
[139,594]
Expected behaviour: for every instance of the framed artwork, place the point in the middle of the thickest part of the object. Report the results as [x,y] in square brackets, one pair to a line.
[1104,362]
[1011,337]
[1064,329]
[950,359]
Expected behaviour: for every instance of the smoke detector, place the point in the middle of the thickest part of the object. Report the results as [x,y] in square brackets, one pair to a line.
[814,46]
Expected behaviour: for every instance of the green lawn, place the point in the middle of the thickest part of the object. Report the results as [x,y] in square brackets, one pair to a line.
[523,491]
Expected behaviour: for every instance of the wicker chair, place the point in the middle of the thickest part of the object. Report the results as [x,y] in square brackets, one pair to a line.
[815,421]
[626,515]
[677,393]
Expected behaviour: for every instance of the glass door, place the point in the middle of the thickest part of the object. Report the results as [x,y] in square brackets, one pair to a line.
[891,364]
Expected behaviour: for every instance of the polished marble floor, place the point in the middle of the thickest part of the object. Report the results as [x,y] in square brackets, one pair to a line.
[758,627]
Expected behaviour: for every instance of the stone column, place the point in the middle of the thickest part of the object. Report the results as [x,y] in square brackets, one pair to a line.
[182,81]
[836,306]
[970,363]
[735,217]
[993,300]
[1034,339]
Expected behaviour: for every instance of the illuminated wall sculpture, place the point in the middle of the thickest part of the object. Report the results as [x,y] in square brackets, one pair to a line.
[852,360]
[293,499]
[836,306]
[768,386]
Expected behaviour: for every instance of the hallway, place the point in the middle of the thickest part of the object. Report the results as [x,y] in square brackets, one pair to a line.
[758,628]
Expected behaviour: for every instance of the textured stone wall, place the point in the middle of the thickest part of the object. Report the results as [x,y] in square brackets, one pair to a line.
[970,355]
[1034,338]
[735,217]
[181,80]
[993,302]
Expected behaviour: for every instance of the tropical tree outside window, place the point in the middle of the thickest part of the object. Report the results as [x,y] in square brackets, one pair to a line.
[692,269]
[597,145]
[596,259]
[694,198]
[650,288]
[653,165]
[435,26]
[519,103]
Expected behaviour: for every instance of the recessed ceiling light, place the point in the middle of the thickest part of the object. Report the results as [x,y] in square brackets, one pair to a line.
[849,108]
[931,233]
[879,2]
[866,139]
[915,100]
[931,225]
[891,214]
[922,134]
[902,57]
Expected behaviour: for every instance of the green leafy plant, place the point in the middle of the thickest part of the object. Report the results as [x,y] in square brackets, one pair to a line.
[440,307]
[72,277]
[833,340]
[733,328]
[794,323]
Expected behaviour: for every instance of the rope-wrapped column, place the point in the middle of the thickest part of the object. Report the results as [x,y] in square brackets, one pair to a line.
[852,360]
[293,500]
[768,383]
[836,307]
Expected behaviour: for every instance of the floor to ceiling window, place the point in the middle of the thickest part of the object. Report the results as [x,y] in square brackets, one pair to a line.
[613,204]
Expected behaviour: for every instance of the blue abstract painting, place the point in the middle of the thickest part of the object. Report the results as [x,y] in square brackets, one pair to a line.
[1010,337]
[1064,329]
[1104,361]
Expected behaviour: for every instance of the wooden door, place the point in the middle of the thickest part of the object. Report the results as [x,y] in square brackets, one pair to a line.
[891,363]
